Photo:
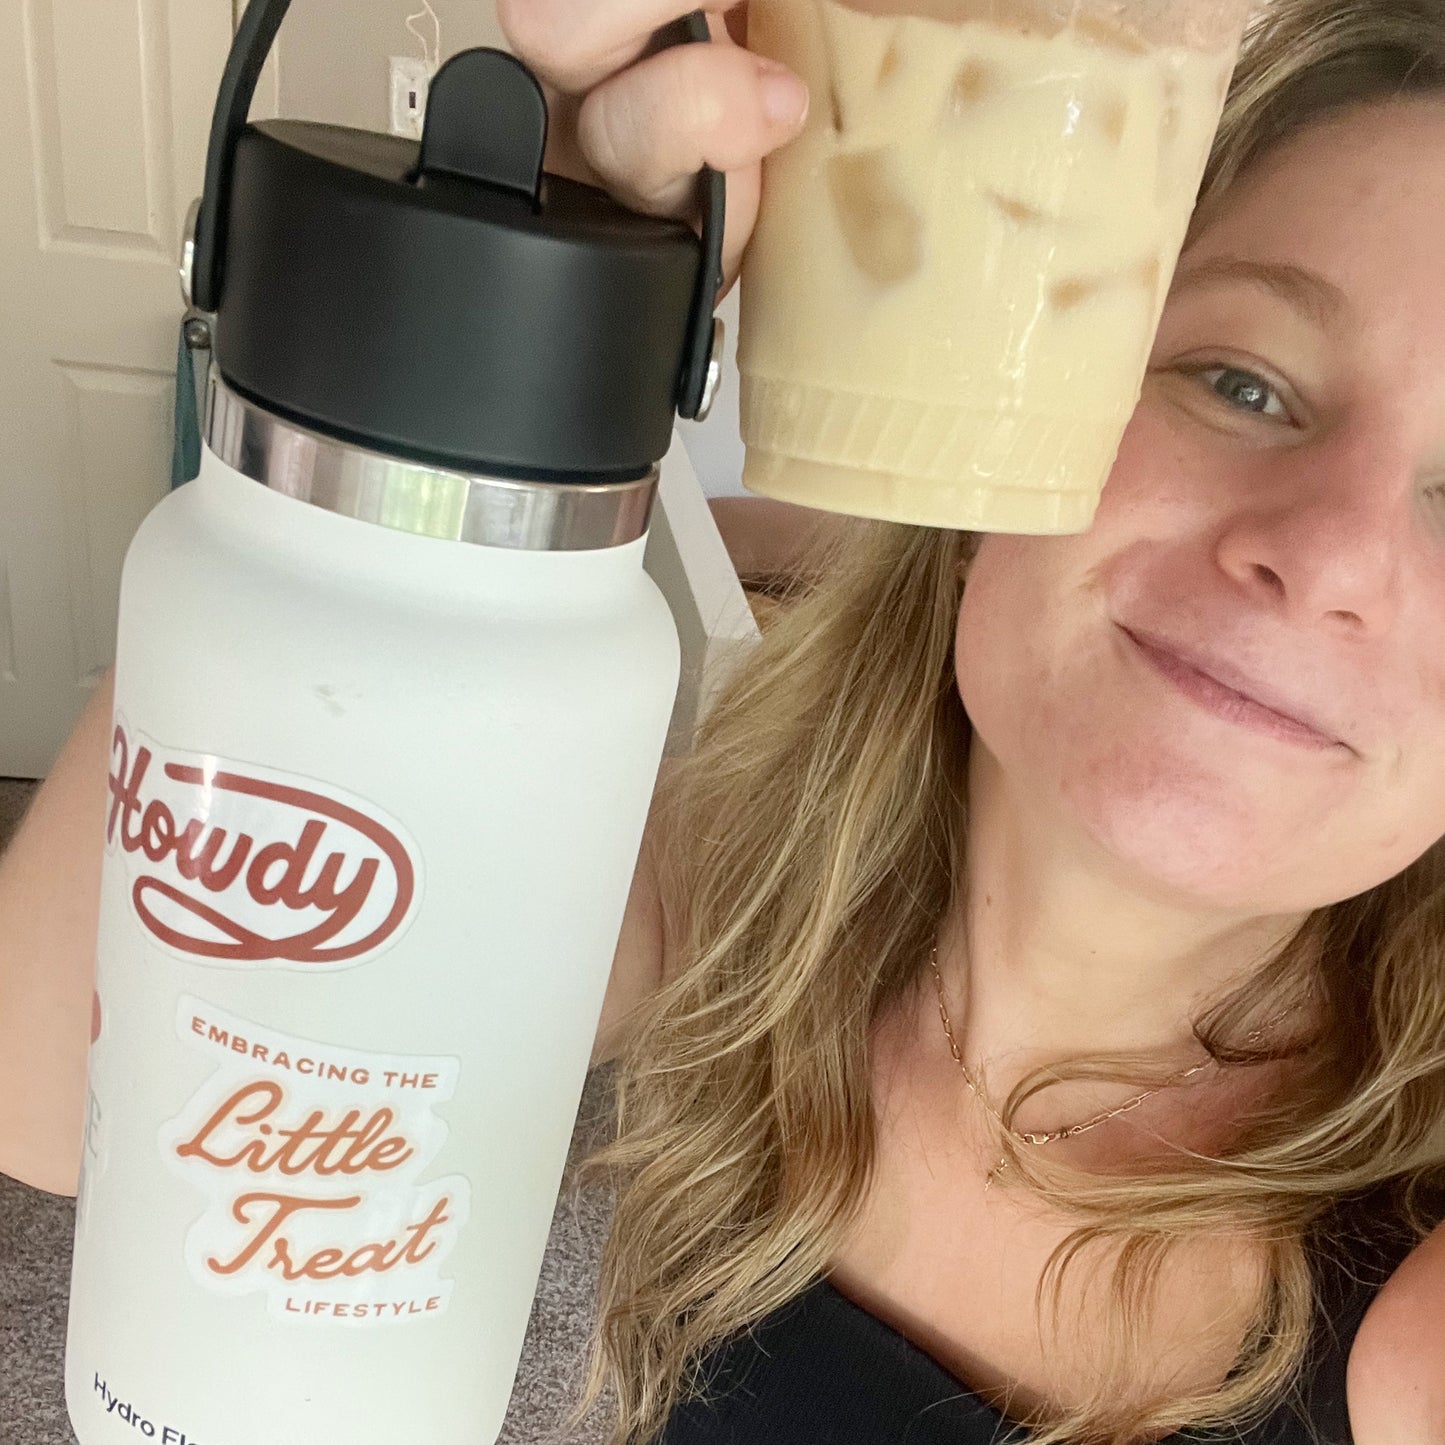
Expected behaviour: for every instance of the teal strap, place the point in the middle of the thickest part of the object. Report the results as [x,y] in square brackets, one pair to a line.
[186,457]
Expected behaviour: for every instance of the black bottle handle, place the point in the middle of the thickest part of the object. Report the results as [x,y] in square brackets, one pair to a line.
[255,36]
[693,386]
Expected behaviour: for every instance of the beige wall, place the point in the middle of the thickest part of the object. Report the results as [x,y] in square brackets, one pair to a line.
[334,53]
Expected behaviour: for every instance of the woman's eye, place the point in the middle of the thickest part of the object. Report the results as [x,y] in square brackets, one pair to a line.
[1244,390]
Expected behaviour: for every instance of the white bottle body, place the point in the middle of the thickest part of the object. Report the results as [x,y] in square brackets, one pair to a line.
[329,1111]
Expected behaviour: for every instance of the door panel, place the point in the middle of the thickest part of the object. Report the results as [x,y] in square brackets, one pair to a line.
[108,109]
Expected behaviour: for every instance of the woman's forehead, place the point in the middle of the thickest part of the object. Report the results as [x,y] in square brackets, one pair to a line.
[1342,220]
[1361,190]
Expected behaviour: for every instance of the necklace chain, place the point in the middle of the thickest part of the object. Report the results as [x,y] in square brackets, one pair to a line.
[1052,1135]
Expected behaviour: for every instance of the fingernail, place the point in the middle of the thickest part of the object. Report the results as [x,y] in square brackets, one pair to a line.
[785,97]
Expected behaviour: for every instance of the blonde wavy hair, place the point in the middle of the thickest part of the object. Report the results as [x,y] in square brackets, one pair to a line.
[818,836]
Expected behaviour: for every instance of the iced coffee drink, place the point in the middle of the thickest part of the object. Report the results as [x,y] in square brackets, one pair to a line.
[959,268]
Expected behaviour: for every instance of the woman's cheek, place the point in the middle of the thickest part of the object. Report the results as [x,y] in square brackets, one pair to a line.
[983,624]
[1005,620]
[1157,467]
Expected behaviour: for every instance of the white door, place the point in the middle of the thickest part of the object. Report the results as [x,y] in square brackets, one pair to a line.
[106,105]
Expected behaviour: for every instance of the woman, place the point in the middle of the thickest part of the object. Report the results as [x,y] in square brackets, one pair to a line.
[969,840]
[972,838]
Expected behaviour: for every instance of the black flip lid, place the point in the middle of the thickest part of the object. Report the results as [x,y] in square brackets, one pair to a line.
[450,302]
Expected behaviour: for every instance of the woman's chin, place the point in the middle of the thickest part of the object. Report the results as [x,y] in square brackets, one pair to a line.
[1198,839]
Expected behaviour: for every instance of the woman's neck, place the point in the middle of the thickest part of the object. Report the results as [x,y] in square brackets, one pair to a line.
[1054,951]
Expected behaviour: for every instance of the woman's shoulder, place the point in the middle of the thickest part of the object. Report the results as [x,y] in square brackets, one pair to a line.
[1395,1372]
[1357,1250]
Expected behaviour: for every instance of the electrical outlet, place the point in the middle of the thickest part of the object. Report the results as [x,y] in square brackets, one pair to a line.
[410,80]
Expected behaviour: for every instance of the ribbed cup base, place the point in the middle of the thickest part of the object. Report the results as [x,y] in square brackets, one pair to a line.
[927,464]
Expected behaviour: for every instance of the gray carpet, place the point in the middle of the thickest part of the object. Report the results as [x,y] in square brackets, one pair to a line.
[35,1244]
[14,799]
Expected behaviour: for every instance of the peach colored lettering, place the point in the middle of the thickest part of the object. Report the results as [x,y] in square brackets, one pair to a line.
[376,1257]
[368,1309]
[348,1146]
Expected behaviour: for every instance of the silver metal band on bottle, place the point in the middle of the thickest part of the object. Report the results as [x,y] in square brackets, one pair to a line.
[413,497]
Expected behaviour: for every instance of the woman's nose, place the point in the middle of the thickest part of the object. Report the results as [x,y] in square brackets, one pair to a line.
[1327,533]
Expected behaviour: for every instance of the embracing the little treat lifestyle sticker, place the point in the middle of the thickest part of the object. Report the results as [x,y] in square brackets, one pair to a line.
[310,1156]
[238,865]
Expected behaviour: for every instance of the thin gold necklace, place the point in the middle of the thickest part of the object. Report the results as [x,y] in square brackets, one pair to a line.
[1052,1135]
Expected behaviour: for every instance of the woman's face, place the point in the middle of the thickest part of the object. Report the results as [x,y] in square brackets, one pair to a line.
[1277,510]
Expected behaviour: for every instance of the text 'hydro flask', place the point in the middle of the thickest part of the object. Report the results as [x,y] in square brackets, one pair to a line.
[392,691]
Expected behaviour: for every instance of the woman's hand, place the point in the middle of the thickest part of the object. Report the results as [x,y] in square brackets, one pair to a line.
[642,124]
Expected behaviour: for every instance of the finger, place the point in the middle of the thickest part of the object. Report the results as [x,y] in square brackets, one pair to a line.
[745,190]
[648,131]
[574,45]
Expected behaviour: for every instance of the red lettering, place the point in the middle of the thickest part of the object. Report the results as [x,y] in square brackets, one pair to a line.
[343,904]
[294,858]
[125,784]
[157,831]
[276,876]
[196,855]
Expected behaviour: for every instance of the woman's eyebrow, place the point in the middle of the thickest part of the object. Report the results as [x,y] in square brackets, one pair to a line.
[1307,291]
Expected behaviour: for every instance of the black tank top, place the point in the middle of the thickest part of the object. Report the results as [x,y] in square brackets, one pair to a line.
[824,1371]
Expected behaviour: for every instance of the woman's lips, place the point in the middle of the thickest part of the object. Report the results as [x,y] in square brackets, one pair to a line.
[1225,703]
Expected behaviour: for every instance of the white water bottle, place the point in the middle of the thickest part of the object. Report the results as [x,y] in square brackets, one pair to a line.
[392,688]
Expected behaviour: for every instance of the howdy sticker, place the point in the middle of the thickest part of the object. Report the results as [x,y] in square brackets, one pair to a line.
[311,1159]
[234,864]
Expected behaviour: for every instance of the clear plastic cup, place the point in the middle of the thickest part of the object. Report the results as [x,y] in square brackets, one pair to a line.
[959,267]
